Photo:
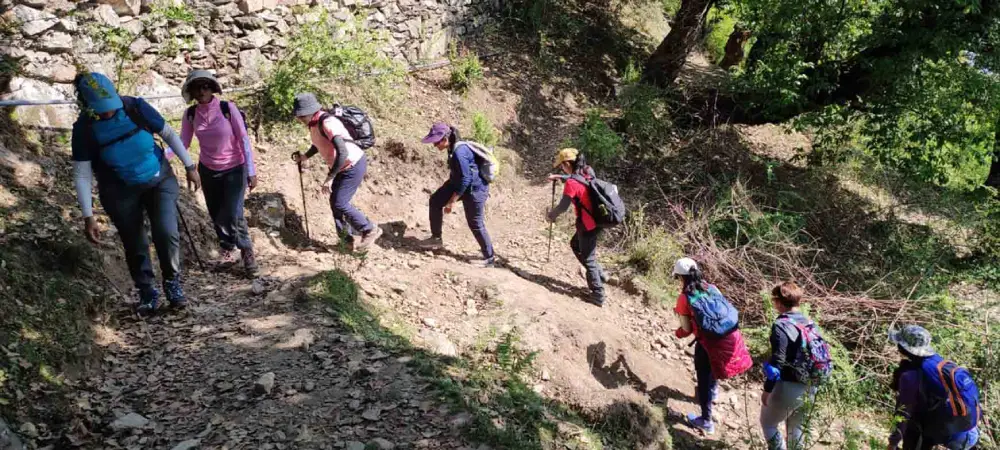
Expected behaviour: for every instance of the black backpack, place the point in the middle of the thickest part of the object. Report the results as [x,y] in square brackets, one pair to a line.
[224,106]
[609,210]
[357,122]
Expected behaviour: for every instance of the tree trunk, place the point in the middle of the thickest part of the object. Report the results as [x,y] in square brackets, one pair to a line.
[665,63]
[993,179]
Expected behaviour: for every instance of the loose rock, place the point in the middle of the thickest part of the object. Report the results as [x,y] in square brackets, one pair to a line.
[264,384]
[129,421]
[189,444]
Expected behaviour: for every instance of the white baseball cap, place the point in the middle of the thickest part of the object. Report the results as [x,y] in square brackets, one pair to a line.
[684,266]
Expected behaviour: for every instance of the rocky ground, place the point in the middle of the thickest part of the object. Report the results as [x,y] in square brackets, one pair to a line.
[262,364]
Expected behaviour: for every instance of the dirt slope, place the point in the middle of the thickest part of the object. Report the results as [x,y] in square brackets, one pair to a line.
[192,374]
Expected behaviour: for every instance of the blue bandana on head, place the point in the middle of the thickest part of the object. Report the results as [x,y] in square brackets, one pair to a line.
[98,93]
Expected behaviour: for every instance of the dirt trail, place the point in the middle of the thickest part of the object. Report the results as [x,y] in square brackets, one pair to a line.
[192,374]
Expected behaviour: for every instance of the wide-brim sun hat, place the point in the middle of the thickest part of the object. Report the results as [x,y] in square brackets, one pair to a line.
[197,75]
[565,155]
[914,339]
[684,266]
[305,105]
[97,92]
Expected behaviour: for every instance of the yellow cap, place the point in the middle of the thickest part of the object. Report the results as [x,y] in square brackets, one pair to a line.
[566,154]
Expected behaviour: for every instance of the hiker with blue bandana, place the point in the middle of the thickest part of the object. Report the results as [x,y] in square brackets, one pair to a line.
[936,400]
[113,140]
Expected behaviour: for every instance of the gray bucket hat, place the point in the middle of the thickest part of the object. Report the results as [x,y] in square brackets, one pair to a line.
[914,339]
[306,104]
[199,75]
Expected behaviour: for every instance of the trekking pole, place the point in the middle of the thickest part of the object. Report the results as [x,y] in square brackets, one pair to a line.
[548,257]
[190,240]
[302,187]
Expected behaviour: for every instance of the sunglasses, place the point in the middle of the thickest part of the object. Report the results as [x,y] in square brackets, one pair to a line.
[196,87]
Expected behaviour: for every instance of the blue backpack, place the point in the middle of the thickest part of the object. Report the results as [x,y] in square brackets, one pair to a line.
[713,314]
[949,399]
[126,145]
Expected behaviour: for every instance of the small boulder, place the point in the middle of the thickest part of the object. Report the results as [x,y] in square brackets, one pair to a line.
[32,20]
[29,430]
[189,444]
[124,7]
[382,444]
[264,384]
[106,15]
[129,421]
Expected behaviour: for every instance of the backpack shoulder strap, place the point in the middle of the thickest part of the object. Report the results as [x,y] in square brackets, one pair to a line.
[131,107]
[322,129]
[580,179]
[190,113]
[224,106]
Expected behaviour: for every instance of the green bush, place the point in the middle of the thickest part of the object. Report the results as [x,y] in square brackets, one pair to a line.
[720,26]
[483,130]
[646,117]
[322,52]
[651,251]
[670,7]
[598,142]
[466,71]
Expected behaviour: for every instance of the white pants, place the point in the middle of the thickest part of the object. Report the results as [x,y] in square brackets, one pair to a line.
[785,405]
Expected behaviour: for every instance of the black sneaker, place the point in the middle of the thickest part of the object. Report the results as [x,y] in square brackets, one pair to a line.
[175,293]
[149,300]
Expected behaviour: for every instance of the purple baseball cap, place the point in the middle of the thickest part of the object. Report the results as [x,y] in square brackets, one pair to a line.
[439,131]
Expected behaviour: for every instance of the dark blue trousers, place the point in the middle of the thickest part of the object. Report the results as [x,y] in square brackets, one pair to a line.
[707,384]
[349,220]
[474,203]
[224,192]
[125,206]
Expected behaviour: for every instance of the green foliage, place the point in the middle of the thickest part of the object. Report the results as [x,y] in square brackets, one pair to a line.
[918,95]
[738,221]
[320,53]
[117,42]
[512,359]
[466,71]
[631,73]
[483,130]
[10,66]
[645,114]
[340,293]
[598,142]
[719,26]
[651,252]
[670,7]
[174,12]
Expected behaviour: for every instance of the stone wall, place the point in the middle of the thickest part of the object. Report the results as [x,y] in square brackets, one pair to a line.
[236,39]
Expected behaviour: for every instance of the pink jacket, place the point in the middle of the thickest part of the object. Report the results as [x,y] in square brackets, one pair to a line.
[224,142]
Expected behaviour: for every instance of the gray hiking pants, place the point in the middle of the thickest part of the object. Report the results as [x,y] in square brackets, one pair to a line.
[785,405]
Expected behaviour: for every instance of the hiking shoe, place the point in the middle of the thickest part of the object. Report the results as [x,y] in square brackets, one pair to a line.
[432,243]
[175,293]
[227,257]
[485,263]
[249,260]
[706,426]
[597,300]
[149,300]
[368,239]
[604,274]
